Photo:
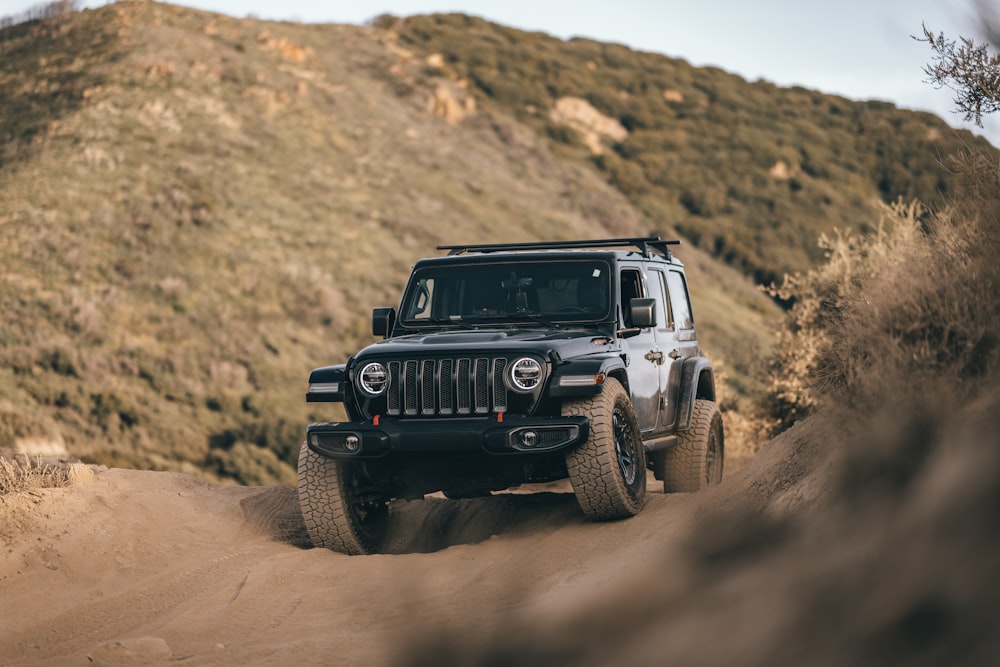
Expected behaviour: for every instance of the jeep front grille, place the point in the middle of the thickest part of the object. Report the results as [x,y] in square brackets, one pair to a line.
[464,386]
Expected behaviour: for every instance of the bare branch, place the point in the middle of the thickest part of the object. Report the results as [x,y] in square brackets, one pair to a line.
[969,69]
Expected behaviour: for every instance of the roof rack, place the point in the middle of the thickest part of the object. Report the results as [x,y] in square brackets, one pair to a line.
[643,243]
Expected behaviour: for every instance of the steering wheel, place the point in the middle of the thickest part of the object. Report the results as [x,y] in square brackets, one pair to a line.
[571,309]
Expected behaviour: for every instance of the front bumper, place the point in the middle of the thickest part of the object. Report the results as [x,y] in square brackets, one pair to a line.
[512,435]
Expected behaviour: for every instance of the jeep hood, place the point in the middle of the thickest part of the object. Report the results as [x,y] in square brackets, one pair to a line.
[565,342]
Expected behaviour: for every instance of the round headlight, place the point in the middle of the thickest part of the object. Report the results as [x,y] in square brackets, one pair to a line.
[525,375]
[373,379]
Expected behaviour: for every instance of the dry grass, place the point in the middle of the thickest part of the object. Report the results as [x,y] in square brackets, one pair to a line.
[20,473]
[927,318]
[904,313]
[901,315]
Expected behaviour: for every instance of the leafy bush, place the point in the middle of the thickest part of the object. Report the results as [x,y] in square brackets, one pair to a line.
[906,310]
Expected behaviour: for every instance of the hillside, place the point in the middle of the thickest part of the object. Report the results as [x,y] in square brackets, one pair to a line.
[195,210]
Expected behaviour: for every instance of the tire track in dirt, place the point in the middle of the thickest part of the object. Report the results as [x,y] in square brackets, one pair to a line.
[275,513]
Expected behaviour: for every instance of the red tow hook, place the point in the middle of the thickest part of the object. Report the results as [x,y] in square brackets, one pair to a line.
[375,420]
[499,417]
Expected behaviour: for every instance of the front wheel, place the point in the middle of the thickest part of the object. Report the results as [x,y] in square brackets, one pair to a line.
[608,471]
[695,462]
[340,509]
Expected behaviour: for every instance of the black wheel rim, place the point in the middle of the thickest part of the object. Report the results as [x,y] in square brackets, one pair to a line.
[625,448]
[369,511]
[370,520]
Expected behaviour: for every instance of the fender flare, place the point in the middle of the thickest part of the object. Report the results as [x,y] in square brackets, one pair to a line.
[611,366]
[697,381]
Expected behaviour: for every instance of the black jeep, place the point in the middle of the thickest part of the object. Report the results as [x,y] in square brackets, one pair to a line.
[517,363]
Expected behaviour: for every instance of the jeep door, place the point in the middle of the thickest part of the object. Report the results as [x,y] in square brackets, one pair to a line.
[670,348]
[680,303]
[642,350]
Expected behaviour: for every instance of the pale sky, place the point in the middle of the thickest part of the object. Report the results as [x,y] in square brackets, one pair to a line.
[861,49]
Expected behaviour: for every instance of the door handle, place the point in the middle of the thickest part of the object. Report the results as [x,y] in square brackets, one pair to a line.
[655,357]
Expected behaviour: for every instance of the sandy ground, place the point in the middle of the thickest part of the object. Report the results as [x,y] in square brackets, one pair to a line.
[133,567]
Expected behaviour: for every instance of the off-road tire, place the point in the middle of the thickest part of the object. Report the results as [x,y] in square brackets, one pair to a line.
[333,514]
[608,471]
[695,462]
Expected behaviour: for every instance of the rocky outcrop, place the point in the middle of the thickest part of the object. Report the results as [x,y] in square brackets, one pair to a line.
[593,126]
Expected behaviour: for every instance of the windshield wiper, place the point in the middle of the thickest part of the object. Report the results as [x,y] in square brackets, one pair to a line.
[439,321]
[518,318]
[541,320]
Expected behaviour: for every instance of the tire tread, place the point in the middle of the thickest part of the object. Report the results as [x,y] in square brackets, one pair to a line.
[593,467]
[683,466]
[324,499]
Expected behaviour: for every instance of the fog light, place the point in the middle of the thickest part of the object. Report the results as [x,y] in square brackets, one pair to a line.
[529,438]
[352,444]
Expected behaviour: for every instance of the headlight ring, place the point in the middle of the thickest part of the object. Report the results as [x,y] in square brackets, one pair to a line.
[525,375]
[373,379]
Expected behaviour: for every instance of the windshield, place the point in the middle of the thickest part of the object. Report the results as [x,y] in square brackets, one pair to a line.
[550,291]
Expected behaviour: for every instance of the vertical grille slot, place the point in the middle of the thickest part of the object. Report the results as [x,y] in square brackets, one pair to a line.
[499,388]
[481,383]
[395,388]
[463,388]
[410,387]
[446,384]
[427,406]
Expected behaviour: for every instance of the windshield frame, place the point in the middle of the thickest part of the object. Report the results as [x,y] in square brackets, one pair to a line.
[492,271]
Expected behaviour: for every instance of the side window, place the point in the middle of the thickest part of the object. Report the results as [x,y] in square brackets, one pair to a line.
[420,306]
[631,288]
[658,289]
[679,300]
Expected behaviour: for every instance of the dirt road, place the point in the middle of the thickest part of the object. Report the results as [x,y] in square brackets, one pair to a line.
[222,574]
[778,565]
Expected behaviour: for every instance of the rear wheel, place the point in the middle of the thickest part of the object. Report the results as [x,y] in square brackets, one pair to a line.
[341,510]
[695,462]
[608,471]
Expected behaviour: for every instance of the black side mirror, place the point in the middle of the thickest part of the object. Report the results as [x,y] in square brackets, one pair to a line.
[643,313]
[383,320]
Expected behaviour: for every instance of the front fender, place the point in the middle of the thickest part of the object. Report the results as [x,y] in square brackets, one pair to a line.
[327,384]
